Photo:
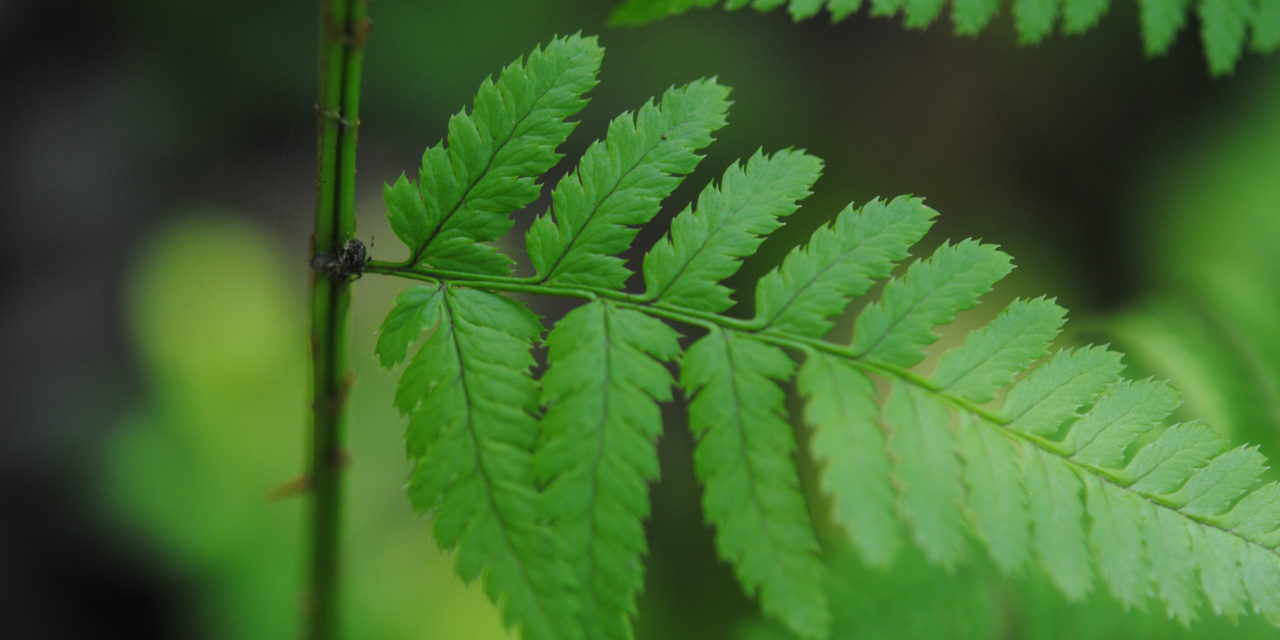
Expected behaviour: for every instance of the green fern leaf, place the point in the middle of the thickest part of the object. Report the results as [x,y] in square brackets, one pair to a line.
[1034,19]
[1161,21]
[1217,485]
[1262,580]
[1057,523]
[1254,518]
[468,186]
[1130,409]
[634,12]
[1163,465]
[929,476]
[409,317]
[751,487]
[1079,16]
[470,399]
[1173,566]
[620,182]
[897,327]
[997,493]
[1052,393]
[921,13]
[1216,564]
[1047,459]
[841,261]
[707,246]
[599,450]
[972,16]
[884,8]
[1225,24]
[1116,533]
[841,9]
[801,9]
[994,354]
[1266,27]
[849,443]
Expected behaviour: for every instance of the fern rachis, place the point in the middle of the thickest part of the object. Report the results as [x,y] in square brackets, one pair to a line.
[540,485]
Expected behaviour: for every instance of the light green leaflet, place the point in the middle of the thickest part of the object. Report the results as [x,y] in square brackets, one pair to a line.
[539,485]
[751,495]
[468,187]
[470,402]
[599,450]
[620,182]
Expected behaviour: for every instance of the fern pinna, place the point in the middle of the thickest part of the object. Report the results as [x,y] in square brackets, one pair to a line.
[1227,27]
[540,486]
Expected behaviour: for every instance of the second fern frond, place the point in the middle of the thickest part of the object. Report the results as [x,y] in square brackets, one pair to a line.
[1227,27]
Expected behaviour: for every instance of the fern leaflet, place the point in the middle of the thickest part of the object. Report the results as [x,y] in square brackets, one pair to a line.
[620,182]
[539,485]
[470,401]
[743,458]
[467,188]
[599,450]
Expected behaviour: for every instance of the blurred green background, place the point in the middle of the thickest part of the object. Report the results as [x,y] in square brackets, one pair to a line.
[157,191]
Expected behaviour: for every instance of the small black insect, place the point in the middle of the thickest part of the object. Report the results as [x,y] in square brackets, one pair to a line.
[348,264]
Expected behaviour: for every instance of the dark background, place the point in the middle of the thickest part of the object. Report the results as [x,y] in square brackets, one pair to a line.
[120,116]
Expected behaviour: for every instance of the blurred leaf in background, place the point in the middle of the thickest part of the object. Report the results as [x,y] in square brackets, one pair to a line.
[221,331]
[1210,246]
[916,600]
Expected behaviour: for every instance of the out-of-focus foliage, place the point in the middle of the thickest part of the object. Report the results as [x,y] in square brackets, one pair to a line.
[1211,243]
[916,600]
[1226,26]
[222,334]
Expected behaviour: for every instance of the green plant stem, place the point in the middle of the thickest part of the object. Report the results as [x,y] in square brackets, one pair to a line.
[342,33]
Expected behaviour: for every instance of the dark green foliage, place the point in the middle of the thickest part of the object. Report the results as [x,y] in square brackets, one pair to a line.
[540,485]
[1227,27]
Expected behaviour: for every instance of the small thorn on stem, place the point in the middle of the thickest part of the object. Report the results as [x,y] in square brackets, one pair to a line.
[303,483]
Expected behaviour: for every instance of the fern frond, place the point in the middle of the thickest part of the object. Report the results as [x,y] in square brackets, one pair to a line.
[750,485]
[1052,459]
[599,450]
[1227,26]
[621,182]
[469,185]
[470,402]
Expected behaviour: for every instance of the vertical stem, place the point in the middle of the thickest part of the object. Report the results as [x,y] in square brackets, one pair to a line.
[342,34]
